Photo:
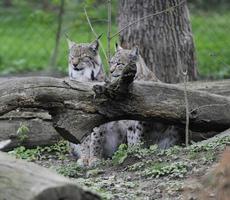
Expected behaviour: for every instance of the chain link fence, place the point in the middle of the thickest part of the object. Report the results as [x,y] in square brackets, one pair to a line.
[29,35]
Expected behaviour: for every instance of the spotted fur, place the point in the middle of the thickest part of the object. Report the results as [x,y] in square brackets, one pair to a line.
[105,139]
[142,131]
[124,56]
[84,61]
[85,65]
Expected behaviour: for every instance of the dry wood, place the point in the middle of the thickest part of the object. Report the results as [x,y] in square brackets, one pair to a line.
[75,111]
[21,180]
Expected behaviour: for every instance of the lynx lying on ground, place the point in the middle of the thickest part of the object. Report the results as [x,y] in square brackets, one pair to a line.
[85,65]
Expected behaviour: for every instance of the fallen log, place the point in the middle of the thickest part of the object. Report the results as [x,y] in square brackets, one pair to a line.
[76,110]
[28,181]
[40,128]
[221,87]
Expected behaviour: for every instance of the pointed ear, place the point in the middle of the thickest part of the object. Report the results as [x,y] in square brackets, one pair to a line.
[95,44]
[70,43]
[134,51]
[117,47]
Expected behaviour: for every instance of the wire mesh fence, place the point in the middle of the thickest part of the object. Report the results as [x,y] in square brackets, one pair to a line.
[29,30]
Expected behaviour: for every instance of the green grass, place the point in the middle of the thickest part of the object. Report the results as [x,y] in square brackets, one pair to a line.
[212,40]
[27,39]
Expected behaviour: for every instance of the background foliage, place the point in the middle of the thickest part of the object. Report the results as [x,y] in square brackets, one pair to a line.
[28,30]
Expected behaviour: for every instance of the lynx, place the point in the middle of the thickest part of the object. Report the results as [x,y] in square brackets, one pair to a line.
[85,65]
[84,61]
[123,56]
[105,139]
[143,131]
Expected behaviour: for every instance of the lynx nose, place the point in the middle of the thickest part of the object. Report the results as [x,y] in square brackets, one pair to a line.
[74,65]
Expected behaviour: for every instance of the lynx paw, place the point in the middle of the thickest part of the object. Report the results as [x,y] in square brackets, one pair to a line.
[94,161]
[83,162]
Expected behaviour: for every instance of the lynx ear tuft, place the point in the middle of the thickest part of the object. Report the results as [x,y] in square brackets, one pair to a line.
[95,45]
[70,42]
[117,47]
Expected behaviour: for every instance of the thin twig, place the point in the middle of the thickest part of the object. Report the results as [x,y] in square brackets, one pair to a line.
[185,74]
[95,34]
[147,16]
[206,106]
[109,30]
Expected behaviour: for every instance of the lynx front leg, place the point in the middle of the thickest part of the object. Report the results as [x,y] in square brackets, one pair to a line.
[96,146]
[84,152]
[134,133]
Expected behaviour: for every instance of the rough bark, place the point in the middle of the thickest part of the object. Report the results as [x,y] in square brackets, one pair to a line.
[216,87]
[28,181]
[76,111]
[165,41]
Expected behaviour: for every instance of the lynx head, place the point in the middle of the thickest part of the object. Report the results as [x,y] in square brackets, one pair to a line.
[124,56]
[121,58]
[84,61]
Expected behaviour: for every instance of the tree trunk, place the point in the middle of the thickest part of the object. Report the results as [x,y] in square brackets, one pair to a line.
[165,40]
[75,109]
[7,3]
[53,61]
[28,181]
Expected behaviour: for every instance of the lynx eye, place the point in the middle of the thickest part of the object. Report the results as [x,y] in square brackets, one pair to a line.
[72,57]
[120,64]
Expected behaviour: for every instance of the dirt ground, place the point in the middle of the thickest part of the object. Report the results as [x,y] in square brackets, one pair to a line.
[143,173]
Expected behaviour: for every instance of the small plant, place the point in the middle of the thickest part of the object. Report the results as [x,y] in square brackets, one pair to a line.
[120,155]
[221,143]
[28,154]
[177,169]
[71,170]
[57,150]
[137,166]
[22,132]
[173,151]
[209,157]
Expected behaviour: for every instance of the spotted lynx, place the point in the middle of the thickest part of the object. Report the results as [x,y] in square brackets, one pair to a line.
[84,61]
[147,132]
[123,56]
[85,65]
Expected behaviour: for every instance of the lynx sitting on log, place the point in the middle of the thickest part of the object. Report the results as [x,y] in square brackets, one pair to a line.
[85,65]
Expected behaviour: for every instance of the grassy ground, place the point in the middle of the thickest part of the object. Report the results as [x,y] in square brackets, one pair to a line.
[135,173]
[27,39]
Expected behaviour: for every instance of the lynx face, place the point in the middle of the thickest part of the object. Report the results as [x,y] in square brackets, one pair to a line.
[84,61]
[121,58]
